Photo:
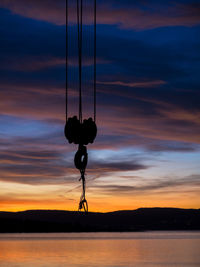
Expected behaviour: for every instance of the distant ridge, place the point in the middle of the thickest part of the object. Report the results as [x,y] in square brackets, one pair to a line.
[142,219]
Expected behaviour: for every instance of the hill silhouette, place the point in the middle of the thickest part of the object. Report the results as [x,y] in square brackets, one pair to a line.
[67,221]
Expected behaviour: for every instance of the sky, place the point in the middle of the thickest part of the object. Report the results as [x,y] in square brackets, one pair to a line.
[147,150]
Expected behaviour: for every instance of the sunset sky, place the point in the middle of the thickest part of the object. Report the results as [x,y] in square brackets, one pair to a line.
[147,153]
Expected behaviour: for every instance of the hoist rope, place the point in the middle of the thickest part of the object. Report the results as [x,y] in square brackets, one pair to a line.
[66,94]
[95,56]
[80,51]
[80,36]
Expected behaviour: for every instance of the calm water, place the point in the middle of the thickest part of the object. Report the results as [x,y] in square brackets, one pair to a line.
[152,249]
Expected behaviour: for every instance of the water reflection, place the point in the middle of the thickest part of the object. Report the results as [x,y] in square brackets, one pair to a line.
[125,249]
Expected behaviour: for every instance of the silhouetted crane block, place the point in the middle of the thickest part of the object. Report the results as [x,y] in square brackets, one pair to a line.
[89,130]
[80,133]
[72,130]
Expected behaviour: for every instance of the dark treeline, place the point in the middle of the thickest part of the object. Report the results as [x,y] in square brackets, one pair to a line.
[66,221]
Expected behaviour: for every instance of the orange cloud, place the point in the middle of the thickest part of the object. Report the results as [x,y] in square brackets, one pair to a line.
[37,63]
[102,202]
[133,18]
[46,10]
[142,84]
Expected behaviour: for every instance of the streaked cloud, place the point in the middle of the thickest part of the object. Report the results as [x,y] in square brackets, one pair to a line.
[166,184]
[143,84]
[132,16]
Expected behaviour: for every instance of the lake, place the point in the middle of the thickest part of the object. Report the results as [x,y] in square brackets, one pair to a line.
[144,249]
